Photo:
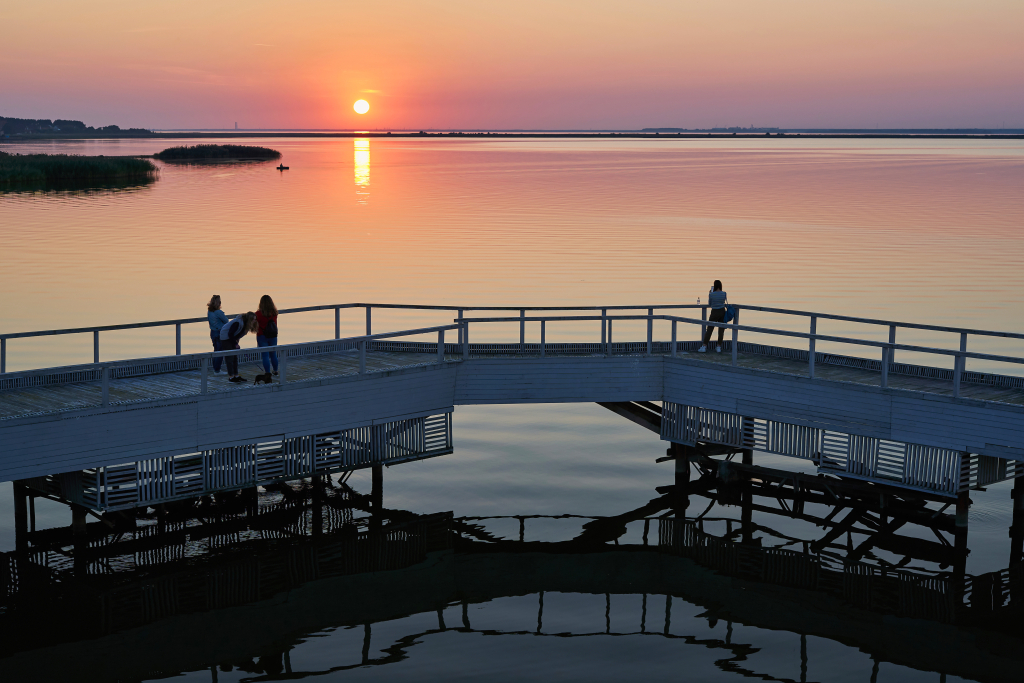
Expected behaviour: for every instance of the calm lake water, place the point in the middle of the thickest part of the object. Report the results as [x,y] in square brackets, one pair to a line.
[917,230]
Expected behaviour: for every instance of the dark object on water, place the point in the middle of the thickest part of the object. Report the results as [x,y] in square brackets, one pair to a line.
[282,167]
[218,153]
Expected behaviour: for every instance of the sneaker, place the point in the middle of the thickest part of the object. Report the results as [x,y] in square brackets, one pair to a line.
[275,373]
[718,349]
[237,380]
[703,349]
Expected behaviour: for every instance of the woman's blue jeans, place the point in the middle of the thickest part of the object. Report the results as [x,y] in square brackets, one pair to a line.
[268,358]
[215,338]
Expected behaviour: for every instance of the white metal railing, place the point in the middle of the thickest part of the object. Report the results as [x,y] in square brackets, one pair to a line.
[337,308]
[462,323]
[812,317]
[887,348]
[105,371]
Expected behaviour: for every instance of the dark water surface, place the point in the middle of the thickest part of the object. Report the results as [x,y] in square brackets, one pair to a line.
[925,231]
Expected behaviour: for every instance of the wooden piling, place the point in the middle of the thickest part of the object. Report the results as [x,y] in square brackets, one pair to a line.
[79,532]
[681,455]
[1017,525]
[376,498]
[959,584]
[20,516]
[317,523]
[747,502]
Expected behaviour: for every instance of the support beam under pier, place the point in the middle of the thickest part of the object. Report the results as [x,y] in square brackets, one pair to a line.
[80,532]
[376,496]
[681,500]
[747,501]
[1017,525]
[20,516]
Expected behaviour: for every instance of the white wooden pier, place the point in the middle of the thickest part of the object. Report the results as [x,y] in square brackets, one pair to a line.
[121,434]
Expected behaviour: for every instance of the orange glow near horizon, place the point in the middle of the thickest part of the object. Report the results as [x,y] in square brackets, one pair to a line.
[569,65]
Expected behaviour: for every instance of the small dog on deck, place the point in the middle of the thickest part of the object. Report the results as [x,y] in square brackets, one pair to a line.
[265,378]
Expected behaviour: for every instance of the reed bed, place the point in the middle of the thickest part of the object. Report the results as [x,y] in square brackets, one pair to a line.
[69,168]
[217,152]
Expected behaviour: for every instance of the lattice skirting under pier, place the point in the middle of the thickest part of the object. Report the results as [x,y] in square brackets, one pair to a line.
[911,466]
[163,479]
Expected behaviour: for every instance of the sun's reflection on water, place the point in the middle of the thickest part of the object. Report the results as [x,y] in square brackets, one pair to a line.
[361,163]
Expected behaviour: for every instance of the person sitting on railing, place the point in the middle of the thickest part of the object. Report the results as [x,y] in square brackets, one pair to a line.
[266,330]
[229,336]
[217,320]
[717,299]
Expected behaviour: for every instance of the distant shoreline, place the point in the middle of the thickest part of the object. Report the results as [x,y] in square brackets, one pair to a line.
[634,135]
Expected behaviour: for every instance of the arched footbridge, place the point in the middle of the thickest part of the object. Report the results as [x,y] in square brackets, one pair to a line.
[119,434]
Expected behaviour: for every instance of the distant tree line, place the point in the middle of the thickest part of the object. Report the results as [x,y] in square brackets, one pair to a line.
[13,126]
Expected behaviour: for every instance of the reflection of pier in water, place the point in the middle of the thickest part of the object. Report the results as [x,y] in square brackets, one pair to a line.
[320,555]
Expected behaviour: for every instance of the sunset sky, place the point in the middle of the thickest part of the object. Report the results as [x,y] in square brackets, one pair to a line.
[531,64]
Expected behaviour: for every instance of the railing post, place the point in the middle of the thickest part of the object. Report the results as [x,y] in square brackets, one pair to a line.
[204,375]
[362,357]
[735,342]
[368,331]
[460,327]
[674,322]
[283,367]
[650,330]
[95,346]
[735,334]
[885,366]
[337,322]
[610,321]
[465,339]
[604,326]
[440,346]
[542,337]
[703,328]
[959,365]
[810,347]
[105,384]
[522,330]
[177,339]
[3,355]
[892,340]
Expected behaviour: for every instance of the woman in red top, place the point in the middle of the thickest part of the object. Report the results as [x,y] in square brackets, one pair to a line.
[266,330]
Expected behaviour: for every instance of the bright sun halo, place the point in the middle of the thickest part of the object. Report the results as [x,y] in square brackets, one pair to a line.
[361,106]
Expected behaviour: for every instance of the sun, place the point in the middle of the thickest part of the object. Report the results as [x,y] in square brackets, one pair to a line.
[361,106]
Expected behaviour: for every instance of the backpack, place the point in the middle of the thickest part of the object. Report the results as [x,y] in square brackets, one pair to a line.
[270,329]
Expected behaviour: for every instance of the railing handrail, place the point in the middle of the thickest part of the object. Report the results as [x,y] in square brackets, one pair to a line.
[887,323]
[129,362]
[762,330]
[331,307]
[464,321]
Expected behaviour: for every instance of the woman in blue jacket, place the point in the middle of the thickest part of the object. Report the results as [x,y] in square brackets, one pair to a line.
[217,321]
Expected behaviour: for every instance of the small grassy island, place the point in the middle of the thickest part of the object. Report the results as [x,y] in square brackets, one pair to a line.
[67,168]
[217,153]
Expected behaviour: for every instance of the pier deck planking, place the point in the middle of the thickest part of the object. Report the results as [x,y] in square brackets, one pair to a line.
[42,400]
[79,395]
